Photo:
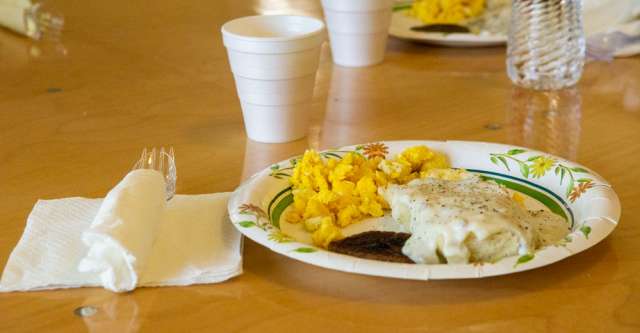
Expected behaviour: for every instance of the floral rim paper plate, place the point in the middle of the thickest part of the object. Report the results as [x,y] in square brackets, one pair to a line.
[401,25]
[585,200]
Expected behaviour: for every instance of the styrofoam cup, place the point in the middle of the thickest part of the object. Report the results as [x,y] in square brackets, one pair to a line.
[274,59]
[358,50]
[275,92]
[274,123]
[277,66]
[358,30]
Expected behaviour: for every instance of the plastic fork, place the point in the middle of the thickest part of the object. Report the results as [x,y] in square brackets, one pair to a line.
[162,161]
[46,24]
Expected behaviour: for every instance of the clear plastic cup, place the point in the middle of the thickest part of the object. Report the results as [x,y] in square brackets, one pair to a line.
[274,59]
[358,30]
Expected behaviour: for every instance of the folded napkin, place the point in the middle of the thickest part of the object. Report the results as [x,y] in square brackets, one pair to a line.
[121,236]
[131,238]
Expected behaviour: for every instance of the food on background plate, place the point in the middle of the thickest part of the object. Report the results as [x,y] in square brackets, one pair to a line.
[494,20]
[460,16]
[446,11]
[443,28]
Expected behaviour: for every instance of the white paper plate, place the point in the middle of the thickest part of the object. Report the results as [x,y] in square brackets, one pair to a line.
[587,201]
[598,16]
[401,25]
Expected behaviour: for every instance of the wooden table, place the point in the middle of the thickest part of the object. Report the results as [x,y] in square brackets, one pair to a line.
[125,75]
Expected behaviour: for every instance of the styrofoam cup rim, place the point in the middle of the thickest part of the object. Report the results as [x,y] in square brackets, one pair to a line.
[317,27]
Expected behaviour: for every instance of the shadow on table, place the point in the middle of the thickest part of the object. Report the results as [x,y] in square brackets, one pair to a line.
[324,282]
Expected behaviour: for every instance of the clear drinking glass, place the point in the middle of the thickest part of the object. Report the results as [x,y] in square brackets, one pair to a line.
[546,44]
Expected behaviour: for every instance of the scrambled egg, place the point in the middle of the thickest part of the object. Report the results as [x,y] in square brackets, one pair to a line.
[446,11]
[446,174]
[330,194]
[412,163]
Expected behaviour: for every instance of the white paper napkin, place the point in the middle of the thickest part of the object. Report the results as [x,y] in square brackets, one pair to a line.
[131,238]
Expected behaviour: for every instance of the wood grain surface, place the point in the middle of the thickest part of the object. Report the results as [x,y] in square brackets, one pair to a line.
[75,114]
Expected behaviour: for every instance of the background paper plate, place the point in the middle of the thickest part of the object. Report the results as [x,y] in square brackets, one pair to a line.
[583,198]
[401,25]
[598,16]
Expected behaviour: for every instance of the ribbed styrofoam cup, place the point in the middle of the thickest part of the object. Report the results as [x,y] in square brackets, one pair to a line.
[274,59]
[358,30]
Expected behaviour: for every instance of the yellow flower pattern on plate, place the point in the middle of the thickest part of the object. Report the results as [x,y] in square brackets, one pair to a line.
[538,165]
[541,165]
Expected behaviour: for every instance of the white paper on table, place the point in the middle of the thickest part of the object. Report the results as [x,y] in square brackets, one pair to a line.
[194,243]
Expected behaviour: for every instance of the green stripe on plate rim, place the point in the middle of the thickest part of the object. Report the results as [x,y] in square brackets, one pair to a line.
[558,206]
[401,6]
[274,215]
[284,198]
[279,209]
